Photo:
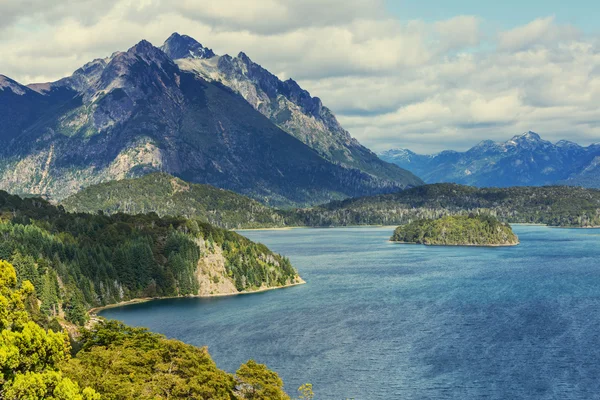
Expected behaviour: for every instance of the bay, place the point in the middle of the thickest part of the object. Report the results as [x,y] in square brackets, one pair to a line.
[378,320]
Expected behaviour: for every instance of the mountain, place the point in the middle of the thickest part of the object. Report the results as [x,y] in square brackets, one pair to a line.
[285,103]
[137,112]
[525,160]
[166,195]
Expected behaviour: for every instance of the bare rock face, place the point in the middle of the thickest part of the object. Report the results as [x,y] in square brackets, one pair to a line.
[287,105]
[138,111]
[212,275]
[181,46]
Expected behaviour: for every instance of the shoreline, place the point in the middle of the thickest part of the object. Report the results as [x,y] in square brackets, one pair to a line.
[458,245]
[574,227]
[94,310]
[527,224]
[395,226]
[279,228]
[285,228]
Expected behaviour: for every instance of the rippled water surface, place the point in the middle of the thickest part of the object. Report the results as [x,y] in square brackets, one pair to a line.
[378,320]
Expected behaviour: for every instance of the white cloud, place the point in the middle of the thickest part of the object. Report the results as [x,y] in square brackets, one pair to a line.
[459,32]
[415,84]
[542,31]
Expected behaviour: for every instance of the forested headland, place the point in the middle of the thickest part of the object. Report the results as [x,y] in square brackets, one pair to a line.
[462,230]
[76,261]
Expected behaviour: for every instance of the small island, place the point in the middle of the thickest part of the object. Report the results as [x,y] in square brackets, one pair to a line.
[458,230]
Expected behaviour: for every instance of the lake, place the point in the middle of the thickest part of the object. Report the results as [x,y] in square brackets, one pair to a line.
[378,320]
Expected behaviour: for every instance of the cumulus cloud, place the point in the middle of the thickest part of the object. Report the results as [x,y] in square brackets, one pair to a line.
[459,32]
[542,31]
[392,83]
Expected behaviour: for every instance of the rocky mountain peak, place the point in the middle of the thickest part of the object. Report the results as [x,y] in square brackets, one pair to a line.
[567,144]
[484,145]
[121,64]
[244,57]
[527,140]
[147,51]
[528,136]
[7,83]
[182,46]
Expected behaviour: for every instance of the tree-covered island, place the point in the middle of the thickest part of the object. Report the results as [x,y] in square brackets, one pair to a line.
[458,230]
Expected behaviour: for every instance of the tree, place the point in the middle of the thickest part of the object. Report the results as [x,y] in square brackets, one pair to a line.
[122,363]
[29,355]
[257,382]
[306,392]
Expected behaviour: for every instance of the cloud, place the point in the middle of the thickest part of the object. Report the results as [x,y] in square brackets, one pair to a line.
[87,11]
[416,84]
[542,31]
[459,32]
[277,16]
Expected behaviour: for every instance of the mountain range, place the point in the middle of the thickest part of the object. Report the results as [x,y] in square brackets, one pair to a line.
[524,160]
[181,109]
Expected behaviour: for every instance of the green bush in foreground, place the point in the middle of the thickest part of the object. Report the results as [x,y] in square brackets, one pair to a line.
[30,356]
[114,361]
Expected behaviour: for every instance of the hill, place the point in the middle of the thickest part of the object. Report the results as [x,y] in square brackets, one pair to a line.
[167,195]
[550,205]
[138,112]
[524,160]
[463,230]
[78,261]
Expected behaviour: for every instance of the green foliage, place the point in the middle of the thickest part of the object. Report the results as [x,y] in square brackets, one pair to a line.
[306,392]
[550,205]
[77,261]
[121,362]
[115,362]
[167,195]
[30,356]
[257,382]
[478,230]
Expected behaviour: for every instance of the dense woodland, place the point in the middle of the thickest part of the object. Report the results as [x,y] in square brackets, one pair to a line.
[551,205]
[471,230]
[76,261]
[110,361]
[166,195]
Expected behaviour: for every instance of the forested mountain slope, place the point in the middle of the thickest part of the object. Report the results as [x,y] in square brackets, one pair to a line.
[166,195]
[551,205]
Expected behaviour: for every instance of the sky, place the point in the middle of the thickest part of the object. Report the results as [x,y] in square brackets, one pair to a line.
[426,75]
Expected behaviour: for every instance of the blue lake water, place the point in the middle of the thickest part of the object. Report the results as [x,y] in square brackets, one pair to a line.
[378,320]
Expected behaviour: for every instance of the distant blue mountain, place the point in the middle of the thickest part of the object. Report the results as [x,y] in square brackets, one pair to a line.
[524,160]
